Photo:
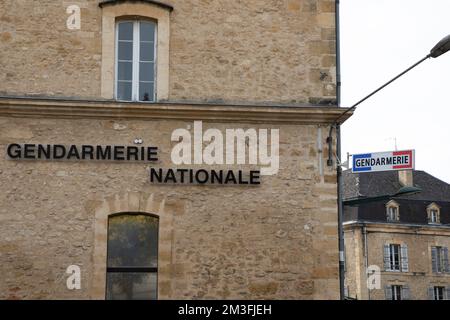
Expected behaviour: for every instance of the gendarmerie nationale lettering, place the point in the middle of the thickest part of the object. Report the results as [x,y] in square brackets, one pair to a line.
[84,152]
[202,176]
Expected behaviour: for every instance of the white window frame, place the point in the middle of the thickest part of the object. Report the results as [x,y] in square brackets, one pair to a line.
[136,60]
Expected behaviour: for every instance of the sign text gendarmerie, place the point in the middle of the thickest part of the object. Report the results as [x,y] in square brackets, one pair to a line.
[84,152]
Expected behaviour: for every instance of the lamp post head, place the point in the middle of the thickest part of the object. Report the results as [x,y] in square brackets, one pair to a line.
[441,47]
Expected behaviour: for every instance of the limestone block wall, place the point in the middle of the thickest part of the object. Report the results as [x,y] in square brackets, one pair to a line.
[254,51]
[419,277]
[276,240]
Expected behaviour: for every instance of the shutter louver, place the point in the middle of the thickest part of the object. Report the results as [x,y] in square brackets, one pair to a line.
[404,257]
[445,267]
[434,259]
[406,293]
[388,292]
[387,258]
[430,293]
[447,291]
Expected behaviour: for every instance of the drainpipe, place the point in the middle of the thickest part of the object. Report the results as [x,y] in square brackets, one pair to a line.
[366,258]
[338,166]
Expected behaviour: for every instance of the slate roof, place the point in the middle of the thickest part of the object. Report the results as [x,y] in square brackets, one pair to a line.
[413,208]
[372,184]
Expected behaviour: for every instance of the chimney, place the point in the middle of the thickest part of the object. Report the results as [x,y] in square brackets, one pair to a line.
[405,177]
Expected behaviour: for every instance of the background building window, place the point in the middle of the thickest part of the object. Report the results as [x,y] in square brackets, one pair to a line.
[433,216]
[438,293]
[433,213]
[396,257]
[135,65]
[132,263]
[392,211]
[396,292]
[439,259]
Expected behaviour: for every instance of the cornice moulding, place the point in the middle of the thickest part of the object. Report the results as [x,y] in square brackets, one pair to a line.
[55,108]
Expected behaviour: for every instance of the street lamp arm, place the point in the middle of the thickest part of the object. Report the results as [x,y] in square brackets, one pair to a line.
[439,49]
[353,107]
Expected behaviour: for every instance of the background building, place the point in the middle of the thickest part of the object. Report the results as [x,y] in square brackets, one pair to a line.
[405,238]
[130,73]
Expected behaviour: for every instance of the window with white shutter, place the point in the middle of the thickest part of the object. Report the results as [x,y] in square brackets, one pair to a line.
[434,260]
[445,267]
[431,293]
[406,293]
[439,260]
[404,258]
[388,292]
[387,257]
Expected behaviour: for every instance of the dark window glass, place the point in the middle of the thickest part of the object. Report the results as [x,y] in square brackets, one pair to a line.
[132,257]
[395,256]
[147,51]
[439,293]
[131,286]
[147,31]
[125,50]
[126,31]
[124,71]
[146,91]
[146,71]
[124,90]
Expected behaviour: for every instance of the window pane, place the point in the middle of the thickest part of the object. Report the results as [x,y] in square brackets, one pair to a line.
[131,286]
[147,51]
[133,241]
[146,90]
[126,31]
[146,71]
[125,71]
[147,31]
[124,91]
[125,50]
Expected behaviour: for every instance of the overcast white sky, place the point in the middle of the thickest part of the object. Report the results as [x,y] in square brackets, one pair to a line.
[379,39]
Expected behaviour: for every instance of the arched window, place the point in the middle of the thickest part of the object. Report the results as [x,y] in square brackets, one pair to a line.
[132,259]
[136,60]
[135,50]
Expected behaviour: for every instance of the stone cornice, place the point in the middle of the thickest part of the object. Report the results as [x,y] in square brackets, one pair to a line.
[405,228]
[104,109]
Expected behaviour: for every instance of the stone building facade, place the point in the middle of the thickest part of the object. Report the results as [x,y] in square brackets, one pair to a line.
[397,247]
[72,78]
